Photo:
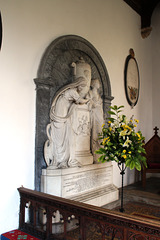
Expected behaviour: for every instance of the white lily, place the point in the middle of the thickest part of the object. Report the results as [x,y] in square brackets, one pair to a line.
[127,142]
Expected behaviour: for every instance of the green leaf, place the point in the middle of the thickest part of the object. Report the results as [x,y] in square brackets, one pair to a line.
[121,107]
[138,166]
[143,150]
[128,163]
[100,151]
[119,111]
[144,163]
[109,144]
[113,107]
[111,119]
[103,150]
[111,112]
[101,158]
[132,165]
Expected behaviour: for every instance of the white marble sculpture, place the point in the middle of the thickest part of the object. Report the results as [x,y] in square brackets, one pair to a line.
[97,118]
[76,117]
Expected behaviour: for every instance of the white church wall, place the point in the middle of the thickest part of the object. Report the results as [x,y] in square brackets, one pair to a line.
[28,28]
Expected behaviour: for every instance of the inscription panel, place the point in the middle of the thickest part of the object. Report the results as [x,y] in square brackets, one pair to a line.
[86,181]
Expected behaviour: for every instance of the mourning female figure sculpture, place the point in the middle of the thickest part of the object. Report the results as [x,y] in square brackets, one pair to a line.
[69,131]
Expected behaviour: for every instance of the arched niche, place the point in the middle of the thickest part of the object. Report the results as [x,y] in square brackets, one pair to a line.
[54,72]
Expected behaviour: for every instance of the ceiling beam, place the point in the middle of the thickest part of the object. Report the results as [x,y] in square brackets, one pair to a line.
[145,9]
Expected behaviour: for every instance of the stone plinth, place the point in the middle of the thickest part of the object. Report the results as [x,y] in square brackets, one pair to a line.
[92,184]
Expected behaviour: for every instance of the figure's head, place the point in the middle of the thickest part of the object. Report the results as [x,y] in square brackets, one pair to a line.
[95,83]
[82,86]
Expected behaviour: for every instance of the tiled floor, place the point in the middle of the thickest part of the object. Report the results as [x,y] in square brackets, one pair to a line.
[136,193]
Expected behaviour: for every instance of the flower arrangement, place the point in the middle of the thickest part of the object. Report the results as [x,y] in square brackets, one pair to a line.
[121,142]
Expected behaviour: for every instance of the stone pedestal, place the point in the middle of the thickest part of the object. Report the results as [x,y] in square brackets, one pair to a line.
[92,184]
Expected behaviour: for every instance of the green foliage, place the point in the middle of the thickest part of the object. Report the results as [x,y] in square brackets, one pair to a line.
[121,142]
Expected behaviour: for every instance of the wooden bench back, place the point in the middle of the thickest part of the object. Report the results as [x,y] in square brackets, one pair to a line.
[152,148]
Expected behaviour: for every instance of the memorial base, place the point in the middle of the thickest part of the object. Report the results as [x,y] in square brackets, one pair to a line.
[92,184]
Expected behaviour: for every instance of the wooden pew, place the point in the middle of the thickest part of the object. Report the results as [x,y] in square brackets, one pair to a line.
[152,148]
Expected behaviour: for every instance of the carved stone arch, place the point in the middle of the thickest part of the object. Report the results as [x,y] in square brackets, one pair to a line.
[54,72]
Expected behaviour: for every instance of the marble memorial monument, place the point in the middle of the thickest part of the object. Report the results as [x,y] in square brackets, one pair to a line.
[76,117]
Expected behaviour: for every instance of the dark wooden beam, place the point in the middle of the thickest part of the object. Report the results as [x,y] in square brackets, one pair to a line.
[145,9]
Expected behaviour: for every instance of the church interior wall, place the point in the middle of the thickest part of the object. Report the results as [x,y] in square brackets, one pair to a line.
[112,27]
